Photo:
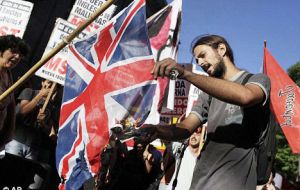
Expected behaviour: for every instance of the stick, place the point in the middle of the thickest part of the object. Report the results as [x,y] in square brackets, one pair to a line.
[56,49]
[48,97]
[202,138]
[265,43]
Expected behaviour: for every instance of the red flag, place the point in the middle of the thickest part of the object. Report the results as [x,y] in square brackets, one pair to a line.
[285,100]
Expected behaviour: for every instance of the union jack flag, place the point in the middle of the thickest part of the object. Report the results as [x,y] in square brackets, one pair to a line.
[108,81]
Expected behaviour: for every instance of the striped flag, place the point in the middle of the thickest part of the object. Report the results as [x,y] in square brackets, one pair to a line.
[108,82]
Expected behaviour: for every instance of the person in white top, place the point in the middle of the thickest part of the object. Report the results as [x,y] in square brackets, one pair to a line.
[188,162]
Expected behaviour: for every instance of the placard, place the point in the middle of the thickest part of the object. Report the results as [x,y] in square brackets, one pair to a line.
[14,17]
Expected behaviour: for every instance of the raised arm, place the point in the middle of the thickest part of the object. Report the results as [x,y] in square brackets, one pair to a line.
[27,106]
[173,132]
[227,91]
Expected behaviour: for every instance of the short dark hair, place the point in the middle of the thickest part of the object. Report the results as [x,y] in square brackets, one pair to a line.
[14,43]
[213,41]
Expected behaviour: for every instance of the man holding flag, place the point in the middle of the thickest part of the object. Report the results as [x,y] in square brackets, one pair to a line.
[234,105]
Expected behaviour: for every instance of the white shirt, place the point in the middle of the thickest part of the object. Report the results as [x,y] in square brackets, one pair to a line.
[186,171]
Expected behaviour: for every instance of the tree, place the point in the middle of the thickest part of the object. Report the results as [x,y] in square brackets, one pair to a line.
[287,162]
[294,73]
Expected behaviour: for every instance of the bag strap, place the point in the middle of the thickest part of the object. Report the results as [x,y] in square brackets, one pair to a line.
[244,81]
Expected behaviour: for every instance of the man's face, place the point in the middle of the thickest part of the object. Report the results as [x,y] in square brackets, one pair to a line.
[209,60]
[9,59]
[194,140]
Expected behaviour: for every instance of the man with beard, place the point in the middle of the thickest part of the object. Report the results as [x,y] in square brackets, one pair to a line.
[234,104]
[188,162]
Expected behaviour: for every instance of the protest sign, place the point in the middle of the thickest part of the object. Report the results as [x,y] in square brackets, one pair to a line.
[14,17]
[180,103]
[55,68]
[194,91]
[82,9]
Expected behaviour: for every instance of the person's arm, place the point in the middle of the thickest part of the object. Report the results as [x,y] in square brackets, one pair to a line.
[27,106]
[148,158]
[173,132]
[9,124]
[227,91]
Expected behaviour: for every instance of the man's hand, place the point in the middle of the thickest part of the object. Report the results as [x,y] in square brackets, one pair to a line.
[147,155]
[164,67]
[148,158]
[147,133]
[52,135]
[44,92]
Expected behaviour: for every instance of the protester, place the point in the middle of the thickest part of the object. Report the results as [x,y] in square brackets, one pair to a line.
[33,138]
[12,50]
[140,169]
[113,157]
[188,162]
[32,125]
[235,114]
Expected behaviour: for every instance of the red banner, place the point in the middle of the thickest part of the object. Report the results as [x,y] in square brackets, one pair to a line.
[285,100]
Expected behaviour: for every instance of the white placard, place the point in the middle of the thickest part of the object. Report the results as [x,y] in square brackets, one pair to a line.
[82,9]
[180,98]
[14,16]
[194,91]
[55,68]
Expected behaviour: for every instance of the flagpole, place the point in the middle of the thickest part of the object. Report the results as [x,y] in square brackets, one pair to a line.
[265,43]
[57,48]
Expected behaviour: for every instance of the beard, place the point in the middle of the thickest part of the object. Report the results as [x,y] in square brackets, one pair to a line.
[219,69]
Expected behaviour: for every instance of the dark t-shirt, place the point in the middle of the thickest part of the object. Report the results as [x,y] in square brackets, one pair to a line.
[228,159]
[27,130]
[133,174]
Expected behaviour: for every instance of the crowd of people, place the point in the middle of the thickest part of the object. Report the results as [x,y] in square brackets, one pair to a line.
[233,111]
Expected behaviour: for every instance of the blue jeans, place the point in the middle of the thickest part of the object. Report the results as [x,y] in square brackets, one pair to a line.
[19,149]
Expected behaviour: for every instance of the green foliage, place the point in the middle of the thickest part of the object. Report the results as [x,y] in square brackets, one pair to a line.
[287,162]
[294,73]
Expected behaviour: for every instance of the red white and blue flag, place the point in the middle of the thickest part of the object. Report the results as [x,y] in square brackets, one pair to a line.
[108,81]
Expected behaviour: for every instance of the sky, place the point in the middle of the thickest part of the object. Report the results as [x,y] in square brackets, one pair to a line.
[245,24]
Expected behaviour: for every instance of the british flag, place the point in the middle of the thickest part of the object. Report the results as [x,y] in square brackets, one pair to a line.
[108,81]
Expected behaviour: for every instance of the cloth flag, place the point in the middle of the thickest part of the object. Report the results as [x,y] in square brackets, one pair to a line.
[108,82]
[285,101]
[164,30]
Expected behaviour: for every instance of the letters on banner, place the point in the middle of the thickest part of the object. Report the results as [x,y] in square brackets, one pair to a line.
[55,68]
[14,17]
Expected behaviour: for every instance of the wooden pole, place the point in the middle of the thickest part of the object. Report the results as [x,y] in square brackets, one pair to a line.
[202,138]
[265,43]
[48,97]
[57,48]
